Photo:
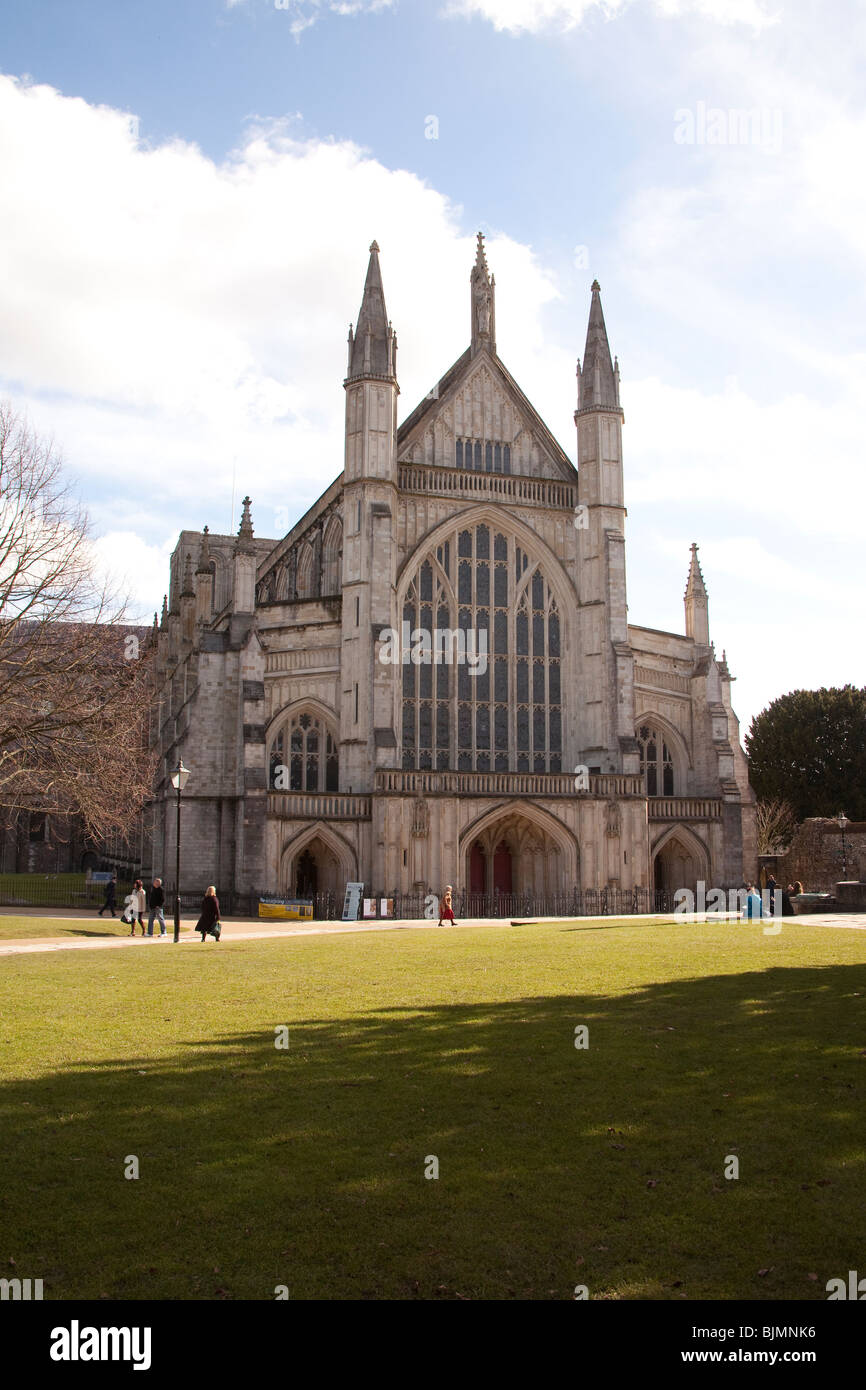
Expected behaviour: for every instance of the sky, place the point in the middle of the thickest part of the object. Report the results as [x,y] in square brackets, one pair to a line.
[188,191]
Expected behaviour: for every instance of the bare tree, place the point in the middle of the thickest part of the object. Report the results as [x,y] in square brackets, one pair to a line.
[75,682]
[776,823]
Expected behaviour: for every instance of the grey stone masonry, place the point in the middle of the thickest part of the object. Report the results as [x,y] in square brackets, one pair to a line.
[329,691]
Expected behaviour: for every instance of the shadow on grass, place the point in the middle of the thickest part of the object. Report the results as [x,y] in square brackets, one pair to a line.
[558,1165]
[97,931]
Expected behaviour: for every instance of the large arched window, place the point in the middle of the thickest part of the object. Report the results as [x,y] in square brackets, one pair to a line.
[501,709]
[304,757]
[656,762]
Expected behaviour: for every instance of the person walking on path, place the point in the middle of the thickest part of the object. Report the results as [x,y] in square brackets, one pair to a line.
[771,889]
[139,905]
[209,921]
[156,904]
[110,896]
[446,911]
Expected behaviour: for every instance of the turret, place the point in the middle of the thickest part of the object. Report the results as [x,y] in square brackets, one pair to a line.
[187,602]
[607,723]
[696,597]
[204,582]
[244,559]
[367,712]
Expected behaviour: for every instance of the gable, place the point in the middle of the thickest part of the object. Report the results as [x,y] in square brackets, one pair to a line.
[477,403]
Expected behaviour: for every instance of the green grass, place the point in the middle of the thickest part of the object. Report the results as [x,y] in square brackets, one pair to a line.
[22,928]
[558,1166]
[55,890]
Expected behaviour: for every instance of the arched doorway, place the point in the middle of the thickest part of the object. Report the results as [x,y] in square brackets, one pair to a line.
[313,864]
[306,875]
[525,853]
[679,862]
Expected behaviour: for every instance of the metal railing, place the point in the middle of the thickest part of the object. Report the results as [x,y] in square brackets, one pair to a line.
[58,890]
[580,902]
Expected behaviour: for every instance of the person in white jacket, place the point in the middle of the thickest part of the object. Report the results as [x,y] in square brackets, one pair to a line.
[139,905]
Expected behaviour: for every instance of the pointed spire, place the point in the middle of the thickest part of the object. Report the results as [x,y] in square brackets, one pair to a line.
[373,346]
[599,382]
[188,590]
[245,543]
[695,584]
[203,566]
[696,601]
[483,295]
[164,619]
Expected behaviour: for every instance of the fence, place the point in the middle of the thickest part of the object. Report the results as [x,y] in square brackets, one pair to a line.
[57,890]
[582,902]
[73,890]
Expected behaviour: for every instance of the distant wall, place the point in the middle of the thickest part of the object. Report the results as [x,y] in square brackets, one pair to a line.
[815,855]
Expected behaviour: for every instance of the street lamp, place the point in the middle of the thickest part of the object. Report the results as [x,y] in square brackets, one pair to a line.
[178,781]
[842,821]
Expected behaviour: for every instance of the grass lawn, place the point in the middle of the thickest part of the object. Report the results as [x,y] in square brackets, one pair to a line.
[558,1166]
[19,928]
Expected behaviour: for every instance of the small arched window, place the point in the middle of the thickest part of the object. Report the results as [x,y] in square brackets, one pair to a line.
[304,757]
[656,762]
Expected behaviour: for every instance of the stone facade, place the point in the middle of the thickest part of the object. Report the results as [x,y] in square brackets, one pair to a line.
[330,740]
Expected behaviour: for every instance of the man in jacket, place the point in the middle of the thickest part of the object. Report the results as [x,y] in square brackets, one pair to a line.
[156,903]
[110,896]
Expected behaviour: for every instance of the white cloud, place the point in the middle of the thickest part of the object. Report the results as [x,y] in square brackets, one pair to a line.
[534,16]
[303,14]
[179,323]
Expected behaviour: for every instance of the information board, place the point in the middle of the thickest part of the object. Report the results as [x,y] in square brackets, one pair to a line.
[352,901]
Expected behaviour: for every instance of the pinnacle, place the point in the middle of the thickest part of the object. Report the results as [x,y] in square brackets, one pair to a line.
[371,349]
[598,384]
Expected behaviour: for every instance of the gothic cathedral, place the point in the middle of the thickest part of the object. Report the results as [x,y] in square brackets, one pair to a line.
[432,678]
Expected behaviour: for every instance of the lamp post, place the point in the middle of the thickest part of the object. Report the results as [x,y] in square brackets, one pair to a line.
[842,821]
[178,781]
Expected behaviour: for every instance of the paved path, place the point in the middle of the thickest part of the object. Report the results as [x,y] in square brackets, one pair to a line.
[253,929]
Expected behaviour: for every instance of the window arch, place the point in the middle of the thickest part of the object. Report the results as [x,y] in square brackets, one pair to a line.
[332,555]
[306,576]
[500,710]
[483,455]
[656,761]
[303,756]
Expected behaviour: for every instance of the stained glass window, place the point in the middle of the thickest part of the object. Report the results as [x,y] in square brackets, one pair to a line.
[313,763]
[501,709]
[656,762]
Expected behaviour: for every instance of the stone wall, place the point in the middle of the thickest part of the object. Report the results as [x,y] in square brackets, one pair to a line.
[815,855]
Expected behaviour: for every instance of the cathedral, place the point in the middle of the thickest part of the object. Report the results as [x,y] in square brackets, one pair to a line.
[432,679]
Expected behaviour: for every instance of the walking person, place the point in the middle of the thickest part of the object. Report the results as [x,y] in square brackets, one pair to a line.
[446,911]
[139,905]
[156,904]
[771,889]
[209,921]
[110,896]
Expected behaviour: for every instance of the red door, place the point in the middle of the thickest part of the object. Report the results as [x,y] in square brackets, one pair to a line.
[477,870]
[502,869]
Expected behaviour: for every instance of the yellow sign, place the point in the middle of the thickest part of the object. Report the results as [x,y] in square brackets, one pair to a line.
[286,910]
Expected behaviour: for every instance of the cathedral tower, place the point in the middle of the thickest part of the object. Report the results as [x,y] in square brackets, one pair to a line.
[367,736]
[606,713]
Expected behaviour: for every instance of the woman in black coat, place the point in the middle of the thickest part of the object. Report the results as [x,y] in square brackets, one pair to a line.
[209,921]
